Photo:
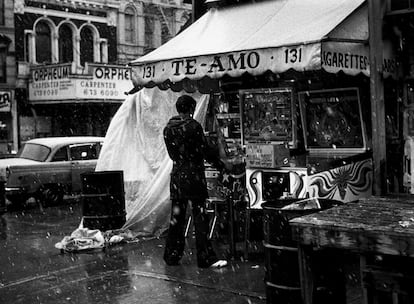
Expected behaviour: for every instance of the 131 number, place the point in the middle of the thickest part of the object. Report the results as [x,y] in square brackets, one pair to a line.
[148,71]
[293,55]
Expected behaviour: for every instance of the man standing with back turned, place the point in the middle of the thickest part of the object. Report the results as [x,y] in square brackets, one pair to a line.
[187,147]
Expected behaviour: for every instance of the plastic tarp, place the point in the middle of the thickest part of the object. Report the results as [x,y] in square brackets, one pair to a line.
[256,37]
[134,143]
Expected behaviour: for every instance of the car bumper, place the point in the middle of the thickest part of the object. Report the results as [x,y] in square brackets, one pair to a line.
[13,191]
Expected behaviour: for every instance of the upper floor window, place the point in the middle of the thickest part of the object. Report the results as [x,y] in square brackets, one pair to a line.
[86,45]
[4,46]
[65,43]
[43,43]
[3,63]
[149,32]
[2,12]
[129,25]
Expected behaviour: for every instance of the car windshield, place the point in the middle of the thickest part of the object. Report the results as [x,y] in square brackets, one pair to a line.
[34,152]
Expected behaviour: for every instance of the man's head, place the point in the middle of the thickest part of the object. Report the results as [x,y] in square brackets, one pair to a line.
[185,104]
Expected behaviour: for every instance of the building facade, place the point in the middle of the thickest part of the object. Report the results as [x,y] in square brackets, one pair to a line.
[71,60]
[8,120]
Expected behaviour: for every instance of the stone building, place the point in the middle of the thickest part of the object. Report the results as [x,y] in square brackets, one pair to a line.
[72,55]
[8,121]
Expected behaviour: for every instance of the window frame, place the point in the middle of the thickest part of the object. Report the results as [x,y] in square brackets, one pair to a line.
[149,31]
[40,45]
[129,31]
[2,13]
[3,63]
[83,58]
[92,145]
[63,39]
[65,149]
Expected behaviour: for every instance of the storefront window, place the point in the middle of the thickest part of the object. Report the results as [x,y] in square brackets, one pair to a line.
[4,132]
[86,45]
[129,25]
[65,44]
[43,43]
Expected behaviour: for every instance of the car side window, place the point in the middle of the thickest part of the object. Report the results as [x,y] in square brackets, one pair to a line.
[84,151]
[61,155]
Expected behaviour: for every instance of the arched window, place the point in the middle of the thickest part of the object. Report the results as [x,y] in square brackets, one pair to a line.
[65,43]
[4,45]
[129,25]
[86,45]
[3,63]
[43,43]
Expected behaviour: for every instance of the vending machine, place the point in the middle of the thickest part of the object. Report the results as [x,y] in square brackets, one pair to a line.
[305,144]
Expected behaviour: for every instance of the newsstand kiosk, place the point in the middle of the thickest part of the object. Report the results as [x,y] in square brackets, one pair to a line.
[300,145]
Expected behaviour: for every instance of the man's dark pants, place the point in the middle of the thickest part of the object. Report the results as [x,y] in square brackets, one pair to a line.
[175,242]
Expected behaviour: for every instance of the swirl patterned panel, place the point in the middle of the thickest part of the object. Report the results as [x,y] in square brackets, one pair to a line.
[346,183]
[254,188]
[297,184]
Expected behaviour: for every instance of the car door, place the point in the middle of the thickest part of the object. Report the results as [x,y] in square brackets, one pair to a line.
[83,159]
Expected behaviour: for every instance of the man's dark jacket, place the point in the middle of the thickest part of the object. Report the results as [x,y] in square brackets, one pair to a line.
[188,148]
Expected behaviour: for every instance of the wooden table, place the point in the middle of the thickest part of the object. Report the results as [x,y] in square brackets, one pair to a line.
[368,226]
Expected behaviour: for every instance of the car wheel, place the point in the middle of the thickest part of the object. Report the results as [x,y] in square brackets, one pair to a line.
[50,195]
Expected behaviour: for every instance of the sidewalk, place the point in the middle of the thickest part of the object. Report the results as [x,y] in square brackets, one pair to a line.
[33,271]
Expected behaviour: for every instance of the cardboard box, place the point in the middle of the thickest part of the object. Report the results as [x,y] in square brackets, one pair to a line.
[266,155]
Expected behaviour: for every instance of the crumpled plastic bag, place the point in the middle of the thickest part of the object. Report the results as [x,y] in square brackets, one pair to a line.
[117,236]
[82,239]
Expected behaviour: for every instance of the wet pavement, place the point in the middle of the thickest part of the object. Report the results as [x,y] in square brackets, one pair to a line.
[32,270]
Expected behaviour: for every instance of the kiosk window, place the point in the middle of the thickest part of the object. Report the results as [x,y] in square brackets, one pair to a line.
[267,115]
[332,118]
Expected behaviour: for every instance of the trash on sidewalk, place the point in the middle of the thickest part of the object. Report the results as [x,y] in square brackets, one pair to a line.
[83,239]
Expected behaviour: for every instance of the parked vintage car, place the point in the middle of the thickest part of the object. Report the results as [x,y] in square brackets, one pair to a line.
[47,168]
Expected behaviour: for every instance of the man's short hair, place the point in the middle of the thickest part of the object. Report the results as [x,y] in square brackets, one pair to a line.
[185,104]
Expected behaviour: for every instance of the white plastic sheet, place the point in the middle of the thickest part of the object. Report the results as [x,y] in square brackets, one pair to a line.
[134,143]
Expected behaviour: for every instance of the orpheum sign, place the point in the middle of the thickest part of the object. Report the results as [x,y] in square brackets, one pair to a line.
[101,82]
